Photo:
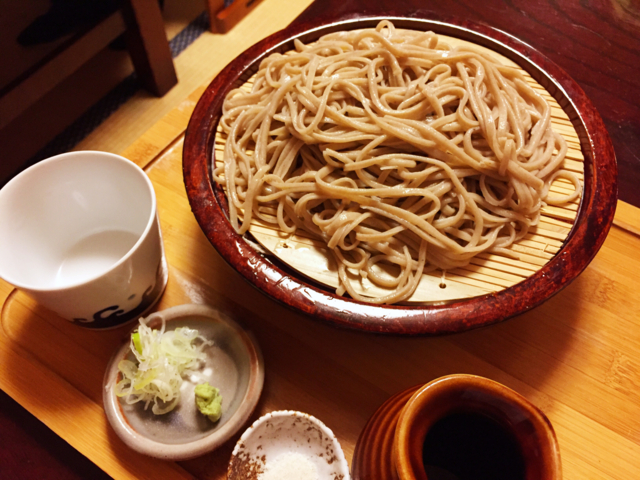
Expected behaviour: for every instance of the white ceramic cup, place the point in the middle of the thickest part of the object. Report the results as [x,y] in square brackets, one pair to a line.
[79,233]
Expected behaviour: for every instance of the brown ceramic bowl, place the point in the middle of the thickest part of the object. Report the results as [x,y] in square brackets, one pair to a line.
[292,289]
[448,427]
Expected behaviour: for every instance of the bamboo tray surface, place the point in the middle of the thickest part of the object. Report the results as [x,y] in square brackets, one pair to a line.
[576,357]
[490,289]
[485,274]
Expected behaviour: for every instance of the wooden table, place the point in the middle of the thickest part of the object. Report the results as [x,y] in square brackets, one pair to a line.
[576,356]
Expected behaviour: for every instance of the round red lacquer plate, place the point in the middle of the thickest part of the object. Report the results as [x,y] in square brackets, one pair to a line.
[292,289]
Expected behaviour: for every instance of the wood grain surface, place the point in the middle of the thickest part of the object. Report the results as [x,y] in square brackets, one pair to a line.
[576,357]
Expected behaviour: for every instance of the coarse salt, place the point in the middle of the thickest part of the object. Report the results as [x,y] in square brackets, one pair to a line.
[290,466]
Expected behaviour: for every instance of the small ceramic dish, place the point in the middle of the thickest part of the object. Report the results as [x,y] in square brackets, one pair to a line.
[453,425]
[285,441]
[233,364]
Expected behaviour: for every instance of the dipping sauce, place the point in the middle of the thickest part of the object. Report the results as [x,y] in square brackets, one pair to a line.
[471,446]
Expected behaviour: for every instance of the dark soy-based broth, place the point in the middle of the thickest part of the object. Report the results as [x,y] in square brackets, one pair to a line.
[469,446]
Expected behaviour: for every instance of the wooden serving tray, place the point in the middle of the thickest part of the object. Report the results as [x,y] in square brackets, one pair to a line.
[576,356]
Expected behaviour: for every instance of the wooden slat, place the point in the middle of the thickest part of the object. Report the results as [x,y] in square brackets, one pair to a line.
[629,218]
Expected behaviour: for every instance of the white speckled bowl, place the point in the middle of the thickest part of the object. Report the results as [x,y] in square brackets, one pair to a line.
[234,364]
[281,432]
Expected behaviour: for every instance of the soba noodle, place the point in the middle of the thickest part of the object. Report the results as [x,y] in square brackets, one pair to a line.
[393,149]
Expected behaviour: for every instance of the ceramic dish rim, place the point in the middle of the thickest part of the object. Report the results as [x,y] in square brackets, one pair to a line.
[290,413]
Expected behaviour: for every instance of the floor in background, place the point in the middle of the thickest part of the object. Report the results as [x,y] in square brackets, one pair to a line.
[29,133]
[83,126]
[16,59]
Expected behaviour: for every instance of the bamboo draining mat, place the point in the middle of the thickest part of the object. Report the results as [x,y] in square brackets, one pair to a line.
[487,272]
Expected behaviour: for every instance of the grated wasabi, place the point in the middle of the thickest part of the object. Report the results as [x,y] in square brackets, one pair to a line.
[209,401]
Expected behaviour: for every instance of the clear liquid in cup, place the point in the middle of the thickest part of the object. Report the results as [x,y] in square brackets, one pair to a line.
[94,255]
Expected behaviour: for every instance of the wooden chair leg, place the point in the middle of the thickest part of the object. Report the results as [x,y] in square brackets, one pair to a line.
[148,45]
[213,7]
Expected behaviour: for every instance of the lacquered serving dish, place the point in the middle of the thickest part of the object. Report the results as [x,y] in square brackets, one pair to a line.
[285,285]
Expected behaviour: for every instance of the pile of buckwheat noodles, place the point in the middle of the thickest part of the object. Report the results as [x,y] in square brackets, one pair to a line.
[393,149]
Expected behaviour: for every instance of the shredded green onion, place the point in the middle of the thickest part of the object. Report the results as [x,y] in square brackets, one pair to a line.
[162,359]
